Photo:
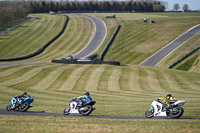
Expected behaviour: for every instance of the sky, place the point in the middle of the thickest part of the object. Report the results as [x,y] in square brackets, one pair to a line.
[193,4]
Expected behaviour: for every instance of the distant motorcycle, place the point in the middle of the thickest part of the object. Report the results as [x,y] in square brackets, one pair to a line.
[84,110]
[20,105]
[158,109]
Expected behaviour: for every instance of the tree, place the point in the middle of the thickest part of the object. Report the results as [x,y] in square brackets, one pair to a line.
[185,7]
[176,7]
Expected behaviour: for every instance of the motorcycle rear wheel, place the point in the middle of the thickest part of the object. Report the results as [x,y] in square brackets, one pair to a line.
[24,107]
[66,111]
[147,115]
[88,111]
[177,114]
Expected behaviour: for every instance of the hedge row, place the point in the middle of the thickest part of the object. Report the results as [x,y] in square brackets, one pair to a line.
[43,48]
[103,53]
[183,58]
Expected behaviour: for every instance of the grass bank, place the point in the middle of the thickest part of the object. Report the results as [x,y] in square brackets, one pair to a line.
[137,40]
[63,124]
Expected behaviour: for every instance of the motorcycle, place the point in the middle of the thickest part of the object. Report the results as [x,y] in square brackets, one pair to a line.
[159,109]
[21,105]
[74,108]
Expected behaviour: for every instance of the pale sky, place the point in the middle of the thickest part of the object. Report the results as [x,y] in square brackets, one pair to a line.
[193,4]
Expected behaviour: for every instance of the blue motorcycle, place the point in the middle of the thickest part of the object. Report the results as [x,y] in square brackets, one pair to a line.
[20,104]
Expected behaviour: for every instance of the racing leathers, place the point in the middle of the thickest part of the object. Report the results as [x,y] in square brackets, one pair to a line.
[17,100]
[84,100]
[166,101]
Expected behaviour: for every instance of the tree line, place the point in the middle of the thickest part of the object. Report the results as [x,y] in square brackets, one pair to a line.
[13,10]
[98,6]
[10,11]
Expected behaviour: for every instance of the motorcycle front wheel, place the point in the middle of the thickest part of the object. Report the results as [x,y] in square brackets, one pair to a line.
[176,112]
[66,111]
[87,111]
[149,114]
[24,107]
[8,108]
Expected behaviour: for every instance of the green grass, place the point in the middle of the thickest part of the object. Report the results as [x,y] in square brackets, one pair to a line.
[135,87]
[33,35]
[126,90]
[189,63]
[137,40]
[64,124]
[13,23]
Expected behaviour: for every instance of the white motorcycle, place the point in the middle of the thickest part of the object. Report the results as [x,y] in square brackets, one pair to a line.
[73,108]
[159,109]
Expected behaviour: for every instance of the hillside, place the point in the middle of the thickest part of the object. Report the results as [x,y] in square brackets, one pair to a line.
[138,40]
[131,86]
[125,90]
[33,35]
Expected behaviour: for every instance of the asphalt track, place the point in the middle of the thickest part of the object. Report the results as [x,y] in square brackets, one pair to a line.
[15,26]
[4,112]
[168,49]
[93,45]
[97,40]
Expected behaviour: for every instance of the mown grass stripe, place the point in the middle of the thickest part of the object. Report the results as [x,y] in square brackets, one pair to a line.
[134,80]
[125,79]
[83,79]
[143,76]
[73,78]
[92,83]
[34,80]
[15,74]
[103,82]
[49,79]
[153,81]
[56,85]
[162,80]
[113,82]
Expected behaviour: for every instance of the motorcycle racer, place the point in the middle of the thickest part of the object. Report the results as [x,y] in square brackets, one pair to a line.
[166,100]
[84,99]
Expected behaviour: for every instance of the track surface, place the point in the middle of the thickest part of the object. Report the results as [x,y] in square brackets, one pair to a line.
[165,51]
[13,27]
[4,112]
[97,40]
[94,44]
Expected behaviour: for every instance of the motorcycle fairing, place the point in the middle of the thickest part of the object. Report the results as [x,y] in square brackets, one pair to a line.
[158,109]
[73,108]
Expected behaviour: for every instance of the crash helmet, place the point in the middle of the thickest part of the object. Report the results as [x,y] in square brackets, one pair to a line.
[24,93]
[168,96]
[87,94]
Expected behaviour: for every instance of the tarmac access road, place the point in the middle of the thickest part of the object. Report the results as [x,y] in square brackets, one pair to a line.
[97,40]
[42,113]
[169,48]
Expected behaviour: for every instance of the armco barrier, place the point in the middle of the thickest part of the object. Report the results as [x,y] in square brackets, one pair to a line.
[43,48]
[183,58]
[75,61]
[103,53]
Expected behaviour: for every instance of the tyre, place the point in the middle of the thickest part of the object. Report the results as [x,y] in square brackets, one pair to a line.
[176,112]
[66,111]
[149,114]
[8,108]
[24,107]
[87,111]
